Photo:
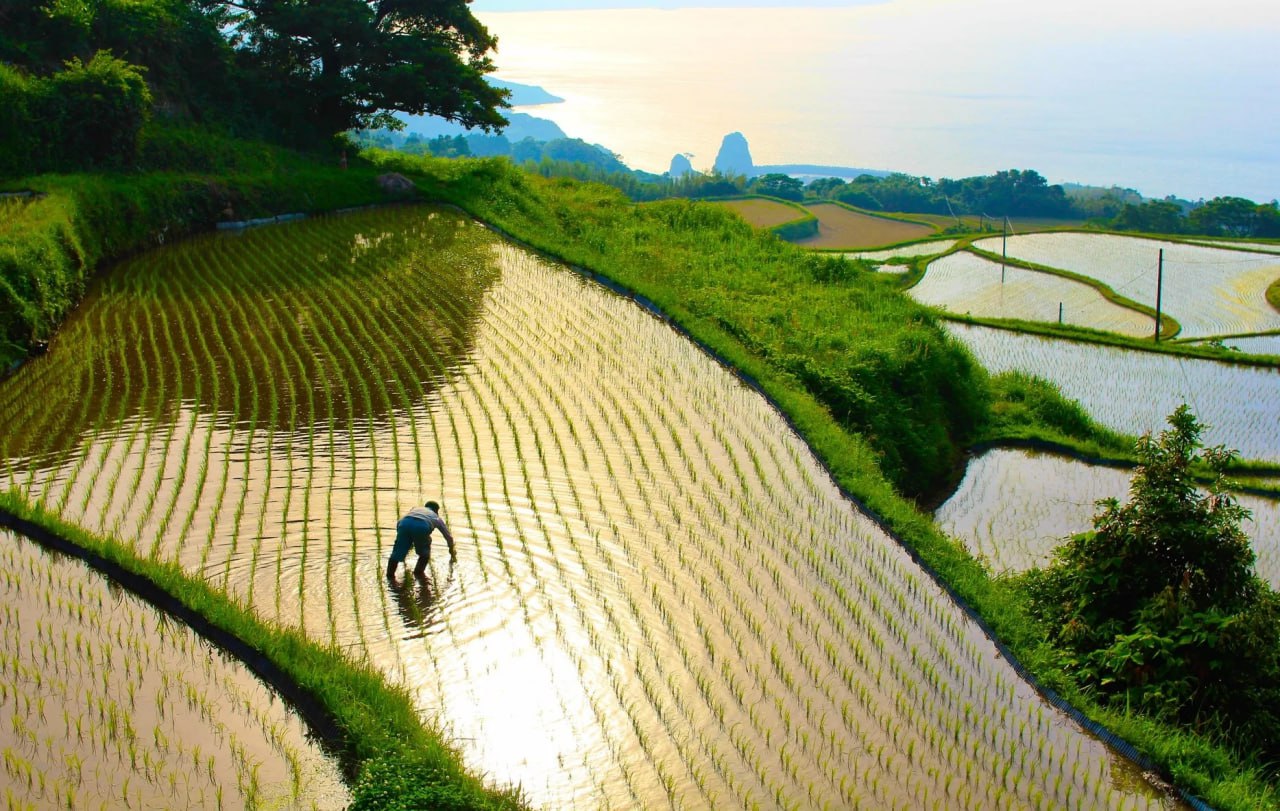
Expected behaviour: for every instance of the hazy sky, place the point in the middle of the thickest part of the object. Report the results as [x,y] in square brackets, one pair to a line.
[548,5]
[1185,101]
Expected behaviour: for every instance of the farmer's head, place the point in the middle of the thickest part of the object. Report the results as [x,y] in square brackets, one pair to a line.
[434,507]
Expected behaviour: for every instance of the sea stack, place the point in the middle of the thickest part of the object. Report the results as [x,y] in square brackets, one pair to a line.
[734,157]
[680,166]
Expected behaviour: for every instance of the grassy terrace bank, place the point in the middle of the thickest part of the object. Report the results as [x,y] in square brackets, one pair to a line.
[866,375]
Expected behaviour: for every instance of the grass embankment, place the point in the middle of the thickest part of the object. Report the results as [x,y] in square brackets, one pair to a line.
[373,727]
[1273,295]
[730,290]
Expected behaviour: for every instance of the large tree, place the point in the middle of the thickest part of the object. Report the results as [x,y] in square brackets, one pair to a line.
[352,63]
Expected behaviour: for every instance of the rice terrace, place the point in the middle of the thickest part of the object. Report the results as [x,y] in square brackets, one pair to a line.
[780,484]
[768,660]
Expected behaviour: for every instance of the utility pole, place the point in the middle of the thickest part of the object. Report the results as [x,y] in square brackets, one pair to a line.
[1004,245]
[1159,291]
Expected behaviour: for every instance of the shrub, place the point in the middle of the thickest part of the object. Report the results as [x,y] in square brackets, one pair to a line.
[87,115]
[93,111]
[1159,607]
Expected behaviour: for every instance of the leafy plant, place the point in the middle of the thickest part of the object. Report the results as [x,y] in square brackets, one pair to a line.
[1159,607]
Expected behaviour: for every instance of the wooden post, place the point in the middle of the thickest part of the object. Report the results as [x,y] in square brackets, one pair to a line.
[1159,291]
[1059,313]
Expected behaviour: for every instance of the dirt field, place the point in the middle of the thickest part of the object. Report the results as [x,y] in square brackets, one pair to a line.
[762,213]
[841,228]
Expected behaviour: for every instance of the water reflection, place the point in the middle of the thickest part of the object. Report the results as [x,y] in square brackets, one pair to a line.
[325,321]
[417,598]
[1014,506]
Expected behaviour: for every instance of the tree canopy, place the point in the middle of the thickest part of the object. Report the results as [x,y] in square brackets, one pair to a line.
[357,61]
[291,71]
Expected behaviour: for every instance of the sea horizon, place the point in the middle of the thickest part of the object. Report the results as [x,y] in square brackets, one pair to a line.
[1098,94]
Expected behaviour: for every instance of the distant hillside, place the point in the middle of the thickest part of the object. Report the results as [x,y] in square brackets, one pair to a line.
[522,126]
[525,95]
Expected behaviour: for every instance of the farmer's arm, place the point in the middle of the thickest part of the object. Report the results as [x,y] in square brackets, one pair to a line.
[448,536]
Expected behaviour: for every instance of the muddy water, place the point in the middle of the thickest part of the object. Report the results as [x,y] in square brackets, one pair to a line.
[114,705]
[1134,392]
[659,598]
[1014,506]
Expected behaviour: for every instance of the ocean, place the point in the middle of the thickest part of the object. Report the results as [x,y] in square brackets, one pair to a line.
[1177,98]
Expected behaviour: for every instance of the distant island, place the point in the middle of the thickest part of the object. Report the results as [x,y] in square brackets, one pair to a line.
[525,95]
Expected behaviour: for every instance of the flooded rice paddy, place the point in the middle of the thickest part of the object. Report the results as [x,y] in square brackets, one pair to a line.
[1014,506]
[1133,391]
[905,251]
[971,285]
[660,598]
[1210,291]
[110,704]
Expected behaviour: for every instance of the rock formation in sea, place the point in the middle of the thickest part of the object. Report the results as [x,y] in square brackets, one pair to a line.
[680,166]
[734,157]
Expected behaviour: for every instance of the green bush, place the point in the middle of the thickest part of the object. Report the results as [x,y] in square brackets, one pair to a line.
[1159,608]
[93,111]
[19,139]
[87,115]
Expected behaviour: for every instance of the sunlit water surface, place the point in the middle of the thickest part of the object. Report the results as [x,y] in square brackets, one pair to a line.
[1094,91]
[660,599]
[110,704]
[1014,506]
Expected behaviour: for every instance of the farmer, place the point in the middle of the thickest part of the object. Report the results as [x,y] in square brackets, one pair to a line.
[415,530]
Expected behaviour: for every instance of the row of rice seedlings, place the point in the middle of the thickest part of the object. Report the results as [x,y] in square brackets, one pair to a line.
[232,318]
[1210,291]
[241,323]
[81,412]
[485,385]
[111,705]
[555,387]
[964,283]
[1134,392]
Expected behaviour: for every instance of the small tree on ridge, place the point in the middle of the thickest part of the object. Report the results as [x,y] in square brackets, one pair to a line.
[1159,607]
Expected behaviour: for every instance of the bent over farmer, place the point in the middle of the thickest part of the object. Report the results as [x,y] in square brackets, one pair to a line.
[415,530]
